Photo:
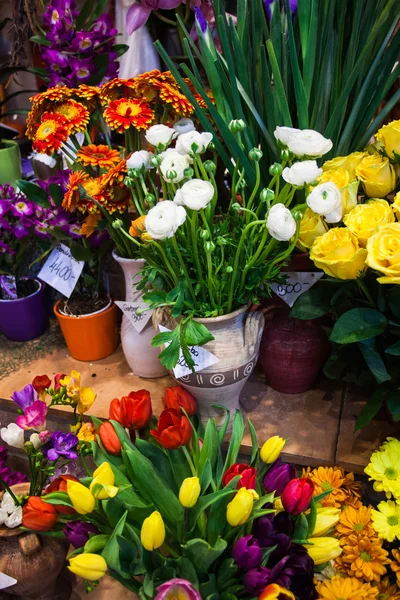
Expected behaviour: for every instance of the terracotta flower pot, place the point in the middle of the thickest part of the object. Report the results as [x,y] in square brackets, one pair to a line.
[89,337]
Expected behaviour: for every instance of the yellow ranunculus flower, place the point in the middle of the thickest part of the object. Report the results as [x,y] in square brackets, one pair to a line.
[377,175]
[327,518]
[82,499]
[189,492]
[152,534]
[348,188]
[239,509]
[365,219]
[88,566]
[396,205]
[323,549]
[103,476]
[311,227]
[86,432]
[349,162]
[271,449]
[384,252]
[338,254]
[86,398]
[389,136]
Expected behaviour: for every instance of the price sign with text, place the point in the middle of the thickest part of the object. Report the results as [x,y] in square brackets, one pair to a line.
[61,270]
[202,359]
[133,311]
[297,283]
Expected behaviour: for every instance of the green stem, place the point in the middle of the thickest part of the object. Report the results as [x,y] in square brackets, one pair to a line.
[87,136]
[165,19]
[210,278]
[189,460]
[201,167]
[108,139]
[167,262]
[221,261]
[194,226]
[363,288]
[254,259]
[184,269]
[257,185]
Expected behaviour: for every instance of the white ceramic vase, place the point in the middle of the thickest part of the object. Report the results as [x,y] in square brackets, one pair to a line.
[139,353]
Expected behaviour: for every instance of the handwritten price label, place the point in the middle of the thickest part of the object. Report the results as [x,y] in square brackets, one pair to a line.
[202,359]
[61,270]
[133,311]
[296,284]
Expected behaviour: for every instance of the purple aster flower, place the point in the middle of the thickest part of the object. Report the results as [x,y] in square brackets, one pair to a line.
[138,14]
[25,397]
[247,553]
[34,416]
[77,532]
[278,476]
[21,230]
[5,207]
[61,444]
[82,68]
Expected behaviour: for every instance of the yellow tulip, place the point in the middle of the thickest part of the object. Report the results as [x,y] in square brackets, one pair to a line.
[323,549]
[88,566]
[189,491]
[327,518]
[152,534]
[103,476]
[240,508]
[82,499]
[86,398]
[271,449]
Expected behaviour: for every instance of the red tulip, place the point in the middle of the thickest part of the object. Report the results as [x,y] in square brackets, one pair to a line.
[133,411]
[41,383]
[60,485]
[173,430]
[177,397]
[247,474]
[297,495]
[109,438]
[38,515]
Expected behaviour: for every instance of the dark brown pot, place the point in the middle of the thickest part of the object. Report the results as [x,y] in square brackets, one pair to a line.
[292,353]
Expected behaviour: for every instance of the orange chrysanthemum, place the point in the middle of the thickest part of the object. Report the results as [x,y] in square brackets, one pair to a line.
[386,591]
[325,478]
[395,564]
[116,175]
[54,129]
[363,558]
[76,113]
[89,225]
[122,113]
[98,156]
[137,226]
[355,522]
[117,88]
[32,122]
[347,588]
[170,94]
[54,94]
[71,197]
[354,489]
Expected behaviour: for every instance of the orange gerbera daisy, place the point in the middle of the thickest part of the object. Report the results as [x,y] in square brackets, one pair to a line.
[137,226]
[202,102]
[87,92]
[32,122]
[54,129]
[395,564]
[325,478]
[76,113]
[122,113]
[364,558]
[345,588]
[54,94]
[72,197]
[170,94]
[116,175]
[117,88]
[387,591]
[89,225]
[146,84]
[355,522]
[98,156]
[117,201]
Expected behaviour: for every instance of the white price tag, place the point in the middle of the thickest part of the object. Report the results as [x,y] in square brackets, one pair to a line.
[297,283]
[6,581]
[139,321]
[61,270]
[202,359]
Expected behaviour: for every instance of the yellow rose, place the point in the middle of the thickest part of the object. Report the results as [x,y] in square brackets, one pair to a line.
[349,163]
[389,136]
[377,175]
[311,227]
[348,189]
[384,252]
[338,254]
[396,205]
[365,219]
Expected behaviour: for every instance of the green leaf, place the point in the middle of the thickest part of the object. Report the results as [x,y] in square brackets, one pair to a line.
[111,550]
[393,404]
[236,440]
[162,338]
[170,355]
[370,410]
[393,349]
[56,193]
[301,528]
[311,305]
[312,517]
[394,301]
[120,49]
[358,324]
[254,442]
[205,502]
[84,14]
[202,554]
[80,252]
[197,334]
[34,193]
[374,361]
[210,448]
[40,39]
[101,61]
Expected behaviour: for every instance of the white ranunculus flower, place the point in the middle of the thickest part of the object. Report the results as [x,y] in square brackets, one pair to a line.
[13,435]
[3,516]
[163,219]
[325,199]
[172,162]
[139,159]
[193,142]
[184,126]
[15,519]
[308,142]
[8,504]
[283,134]
[302,173]
[160,135]
[281,223]
[195,194]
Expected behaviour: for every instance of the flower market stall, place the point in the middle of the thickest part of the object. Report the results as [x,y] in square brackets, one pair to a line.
[199,307]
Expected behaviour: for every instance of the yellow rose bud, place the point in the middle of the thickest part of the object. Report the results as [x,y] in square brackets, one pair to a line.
[86,398]
[348,188]
[383,252]
[88,566]
[365,219]
[396,205]
[323,549]
[338,254]
[240,508]
[311,227]
[189,491]
[349,162]
[389,136]
[104,477]
[377,175]
[82,499]
[152,534]
[271,449]
[327,518]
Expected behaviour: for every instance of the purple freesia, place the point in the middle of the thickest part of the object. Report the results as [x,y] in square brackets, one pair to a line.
[34,416]
[77,532]
[278,476]
[25,397]
[61,444]
[177,588]
[247,553]
[138,14]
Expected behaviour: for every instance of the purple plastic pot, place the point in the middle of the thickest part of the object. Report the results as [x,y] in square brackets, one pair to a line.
[26,318]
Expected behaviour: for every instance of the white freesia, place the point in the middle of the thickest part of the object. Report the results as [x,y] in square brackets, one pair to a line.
[283,134]
[302,173]
[8,504]
[13,435]
[173,165]
[308,142]
[326,200]
[139,159]
[184,126]
[163,219]
[160,135]
[281,223]
[3,516]
[195,194]
[36,441]
[193,142]
[15,519]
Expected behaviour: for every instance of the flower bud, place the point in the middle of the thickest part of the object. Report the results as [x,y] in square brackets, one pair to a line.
[209,246]
[271,449]
[109,438]
[211,146]
[285,154]
[102,485]
[323,549]
[210,166]
[236,206]
[266,195]
[246,553]
[255,154]
[156,160]
[237,125]
[89,566]
[150,199]
[117,224]
[221,241]
[229,269]
[152,534]
[204,234]
[82,499]
[188,173]
[275,169]
[296,496]
[189,491]
[327,518]
[171,174]
[239,509]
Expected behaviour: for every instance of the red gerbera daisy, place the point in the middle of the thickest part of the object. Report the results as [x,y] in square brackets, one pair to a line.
[76,113]
[122,113]
[54,129]
[117,88]
[54,94]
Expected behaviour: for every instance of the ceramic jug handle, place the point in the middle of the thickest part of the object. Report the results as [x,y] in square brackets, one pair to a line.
[253,331]
[29,544]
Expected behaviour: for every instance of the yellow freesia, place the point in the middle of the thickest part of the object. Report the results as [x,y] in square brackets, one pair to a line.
[152,534]
[82,396]
[323,549]
[327,518]
[271,449]
[86,432]
[88,566]
[86,398]
[189,492]
[103,476]
[82,499]
[240,508]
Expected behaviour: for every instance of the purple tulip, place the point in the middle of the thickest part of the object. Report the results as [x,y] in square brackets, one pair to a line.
[138,14]
[256,580]
[177,588]
[77,532]
[278,476]
[25,397]
[61,444]
[247,553]
[34,416]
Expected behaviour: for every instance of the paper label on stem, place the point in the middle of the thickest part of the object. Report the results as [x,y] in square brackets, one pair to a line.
[61,270]
[8,287]
[296,284]
[6,581]
[202,359]
[139,321]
